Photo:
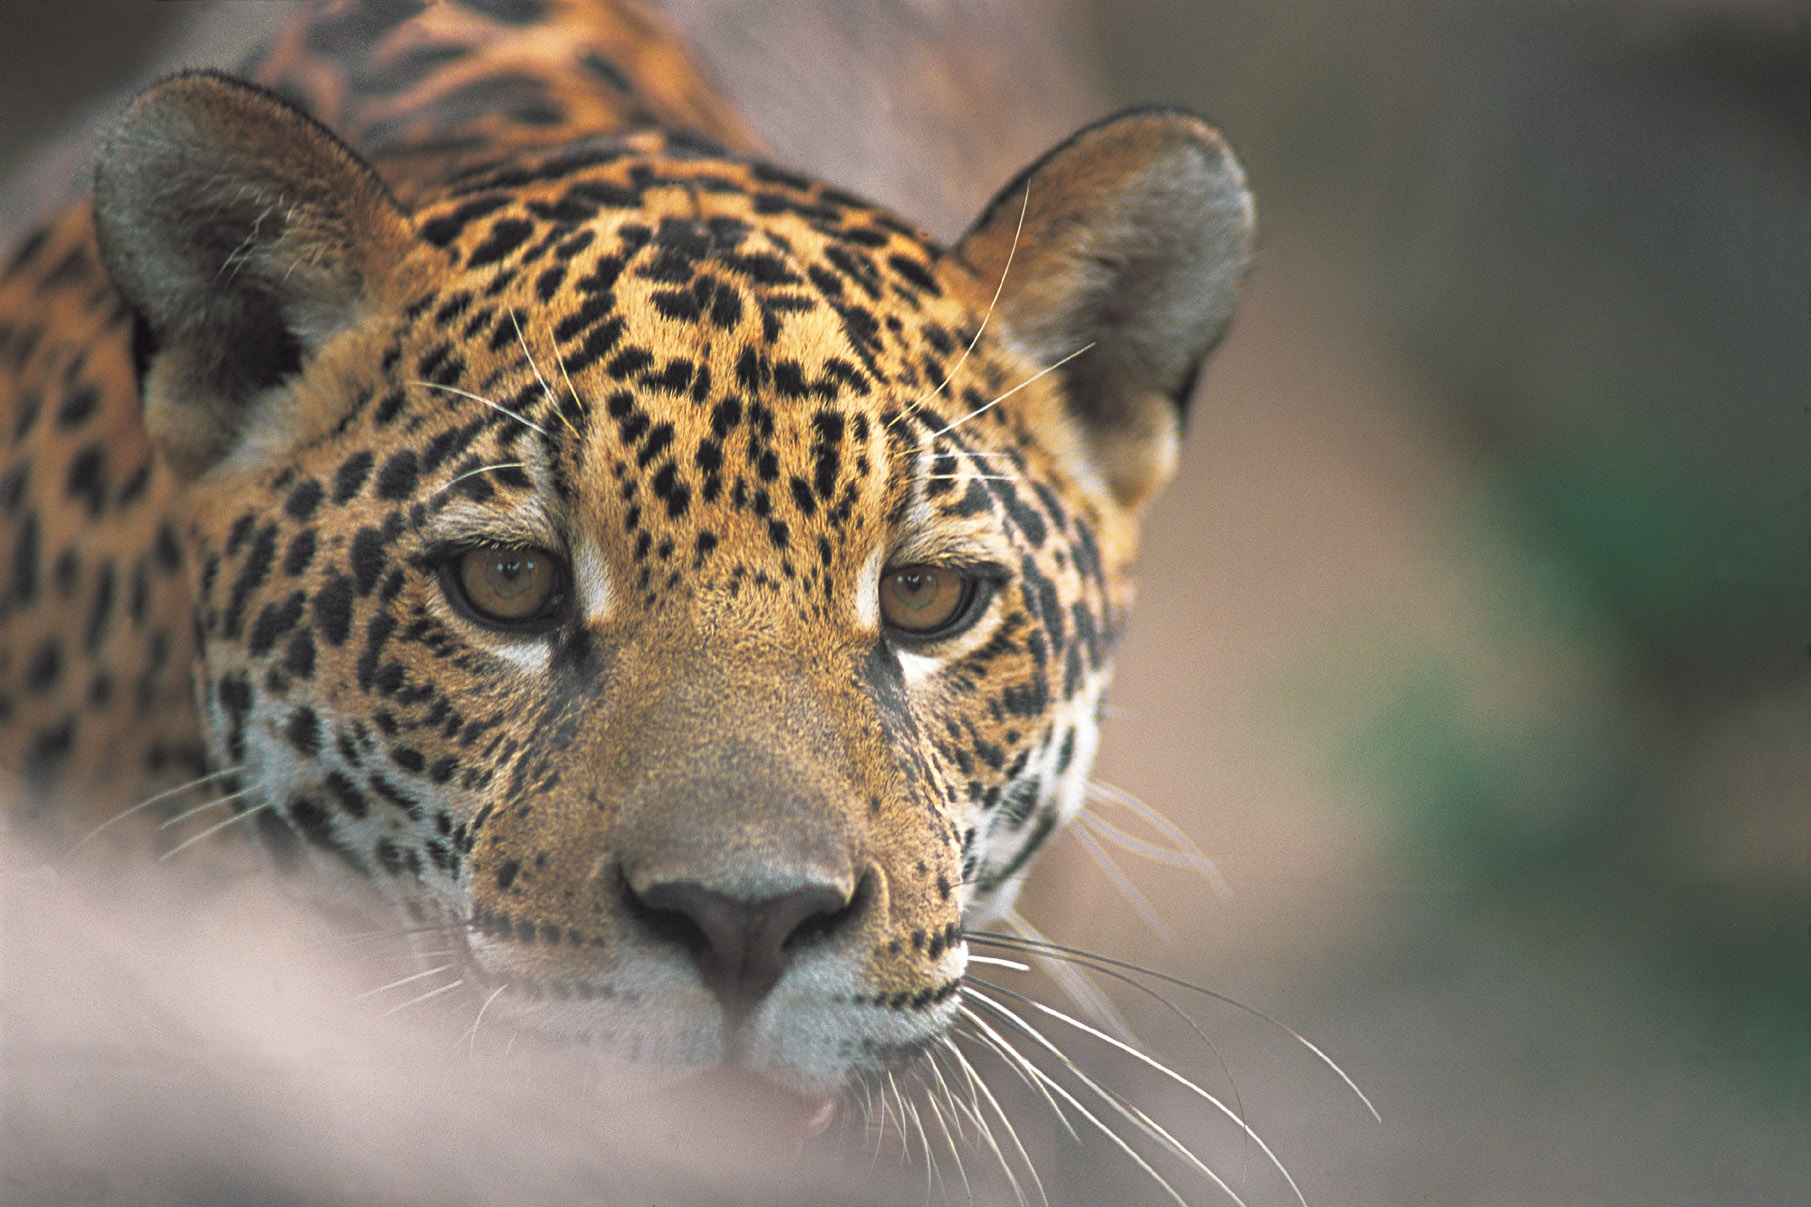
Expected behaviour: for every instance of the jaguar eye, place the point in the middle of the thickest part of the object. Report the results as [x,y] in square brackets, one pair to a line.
[925,600]
[510,588]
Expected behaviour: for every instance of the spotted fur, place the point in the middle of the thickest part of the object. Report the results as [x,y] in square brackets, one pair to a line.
[522,281]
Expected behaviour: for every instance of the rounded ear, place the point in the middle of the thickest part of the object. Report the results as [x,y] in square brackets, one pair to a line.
[244,234]
[1136,235]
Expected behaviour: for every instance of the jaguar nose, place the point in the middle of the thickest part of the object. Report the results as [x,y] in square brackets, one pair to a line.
[741,946]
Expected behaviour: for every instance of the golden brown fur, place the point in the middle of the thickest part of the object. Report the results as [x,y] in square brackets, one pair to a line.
[517,286]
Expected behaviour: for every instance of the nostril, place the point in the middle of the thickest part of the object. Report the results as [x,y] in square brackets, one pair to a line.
[826,922]
[741,946]
[664,922]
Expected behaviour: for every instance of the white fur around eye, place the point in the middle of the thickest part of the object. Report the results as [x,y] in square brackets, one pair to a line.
[867,591]
[918,667]
[592,582]
[532,657]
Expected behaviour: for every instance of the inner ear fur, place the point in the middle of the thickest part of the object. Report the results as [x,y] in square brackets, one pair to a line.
[244,234]
[1136,238]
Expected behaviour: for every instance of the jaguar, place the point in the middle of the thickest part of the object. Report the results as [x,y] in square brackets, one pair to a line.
[454,450]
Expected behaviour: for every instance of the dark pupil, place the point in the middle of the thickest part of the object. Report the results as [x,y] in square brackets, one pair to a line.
[918,588]
[512,577]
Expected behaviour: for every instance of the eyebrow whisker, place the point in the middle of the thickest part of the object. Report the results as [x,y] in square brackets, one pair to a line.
[546,390]
[999,398]
[530,424]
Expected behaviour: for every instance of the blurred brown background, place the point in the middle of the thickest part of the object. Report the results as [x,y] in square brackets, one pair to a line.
[1474,637]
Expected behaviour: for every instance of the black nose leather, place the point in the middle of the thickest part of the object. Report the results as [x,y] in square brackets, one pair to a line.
[740,947]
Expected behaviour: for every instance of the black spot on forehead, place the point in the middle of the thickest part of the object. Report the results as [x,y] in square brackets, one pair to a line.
[455,305]
[789,379]
[397,478]
[917,274]
[442,230]
[134,487]
[101,611]
[405,71]
[725,416]
[595,307]
[441,365]
[506,235]
[599,342]
[45,666]
[389,408]
[679,244]
[606,194]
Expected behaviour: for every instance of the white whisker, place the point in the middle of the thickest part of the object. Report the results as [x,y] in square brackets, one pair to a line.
[949,1140]
[495,406]
[546,391]
[1075,983]
[485,469]
[978,1084]
[880,1133]
[1181,1014]
[930,1162]
[235,819]
[388,932]
[432,993]
[146,803]
[567,378]
[975,477]
[999,398]
[1016,1063]
[998,962]
[1182,851]
[905,1116]
[1160,1067]
[1140,904]
[868,1125]
[1042,947]
[404,981]
[999,288]
[471,1037]
[887,1087]
[1113,1136]
[203,808]
[948,1091]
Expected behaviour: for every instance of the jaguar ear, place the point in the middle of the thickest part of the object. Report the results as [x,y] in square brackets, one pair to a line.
[244,235]
[1136,236]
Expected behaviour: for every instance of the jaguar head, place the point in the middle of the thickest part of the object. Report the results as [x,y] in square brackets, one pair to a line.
[684,587]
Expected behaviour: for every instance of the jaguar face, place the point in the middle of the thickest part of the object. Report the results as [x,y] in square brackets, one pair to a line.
[679,587]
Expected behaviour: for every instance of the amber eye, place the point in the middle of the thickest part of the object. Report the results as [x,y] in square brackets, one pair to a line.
[508,586]
[922,600]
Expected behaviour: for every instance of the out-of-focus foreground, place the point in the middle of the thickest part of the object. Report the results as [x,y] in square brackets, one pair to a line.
[1473,635]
